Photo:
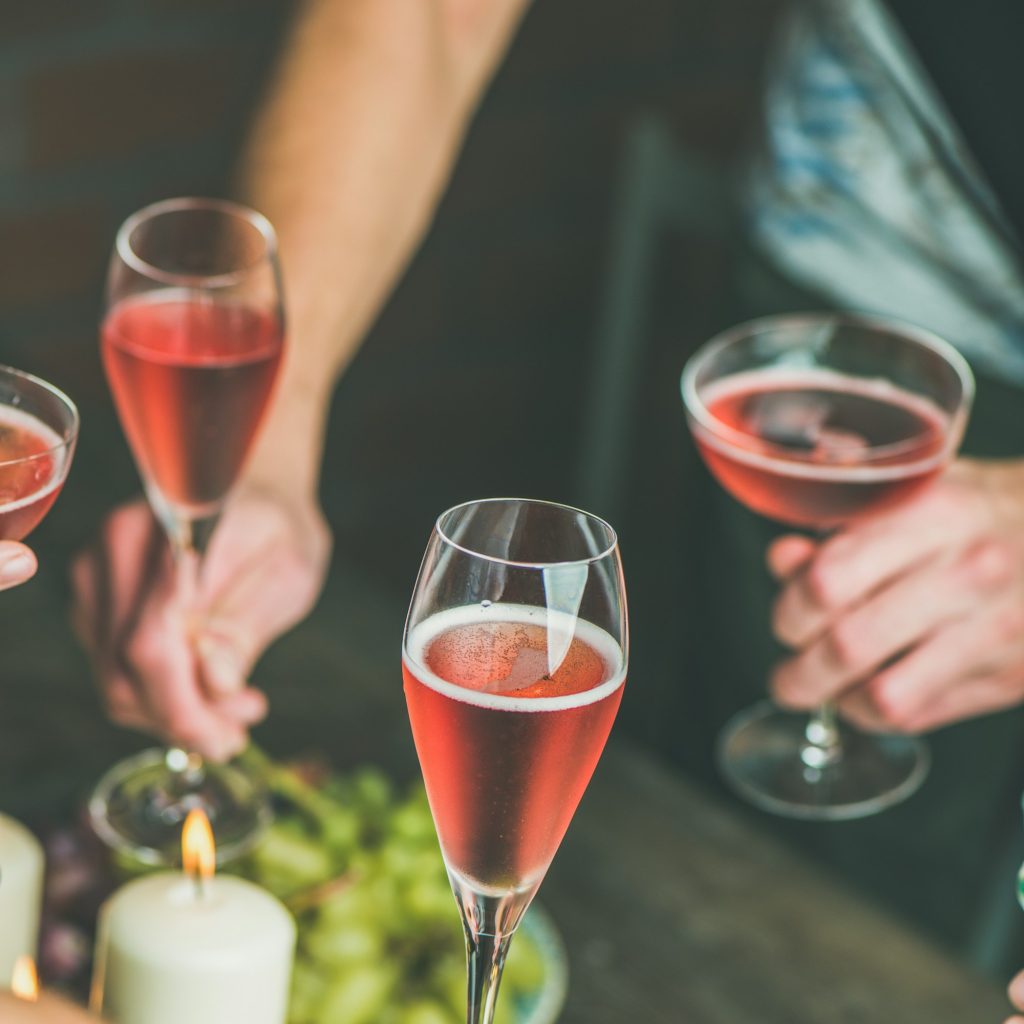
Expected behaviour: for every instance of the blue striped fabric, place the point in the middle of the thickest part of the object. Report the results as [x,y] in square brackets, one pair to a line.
[865,192]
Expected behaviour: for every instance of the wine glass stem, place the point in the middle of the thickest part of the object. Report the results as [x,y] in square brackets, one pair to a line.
[489,921]
[188,539]
[823,747]
[485,957]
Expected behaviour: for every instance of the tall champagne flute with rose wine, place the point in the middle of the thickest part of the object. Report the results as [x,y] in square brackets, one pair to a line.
[192,341]
[818,421]
[514,659]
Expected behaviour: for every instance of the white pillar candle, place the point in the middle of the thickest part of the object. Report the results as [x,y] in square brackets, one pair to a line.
[172,949]
[21,895]
[171,954]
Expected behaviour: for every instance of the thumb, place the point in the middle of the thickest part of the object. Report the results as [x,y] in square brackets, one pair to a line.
[1016,991]
[17,564]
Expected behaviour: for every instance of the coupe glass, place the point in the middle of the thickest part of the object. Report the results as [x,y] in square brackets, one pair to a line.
[817,420]
[38,431]
[514,658]
[192,340]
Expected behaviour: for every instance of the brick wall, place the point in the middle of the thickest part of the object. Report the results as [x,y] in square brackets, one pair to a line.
[109,104]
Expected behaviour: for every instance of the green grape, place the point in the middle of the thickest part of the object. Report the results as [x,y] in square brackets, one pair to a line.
[293,861]
[341,831]
[450,981]
[384,945]
[307,992]
[427,1012]
[372,789]
[332,945]
[412,821]
[425,901]
[399,859]
[524,969]
[357,996]
[383,892]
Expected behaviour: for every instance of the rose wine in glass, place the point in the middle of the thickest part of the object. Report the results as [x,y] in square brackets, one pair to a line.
[191,379]
[816,421]
[514,661]
[192,341]
[38,431]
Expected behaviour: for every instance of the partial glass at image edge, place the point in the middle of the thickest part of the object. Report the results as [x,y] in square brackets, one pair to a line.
[39,427]
[814,420]
[512,688]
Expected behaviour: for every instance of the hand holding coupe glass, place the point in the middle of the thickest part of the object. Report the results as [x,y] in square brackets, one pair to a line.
[832,422]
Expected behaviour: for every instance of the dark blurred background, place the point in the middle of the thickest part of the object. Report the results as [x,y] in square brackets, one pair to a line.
[587,244]
[480,375]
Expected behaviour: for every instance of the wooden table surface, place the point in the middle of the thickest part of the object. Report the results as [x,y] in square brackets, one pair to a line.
[676,909]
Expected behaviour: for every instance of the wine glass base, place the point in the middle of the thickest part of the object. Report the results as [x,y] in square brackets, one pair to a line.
[139,806]
[759,754]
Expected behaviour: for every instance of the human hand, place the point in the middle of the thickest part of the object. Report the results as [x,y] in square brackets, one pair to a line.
[176,664]
[17,564]
[1015,991]
[914,617]
[48,1010]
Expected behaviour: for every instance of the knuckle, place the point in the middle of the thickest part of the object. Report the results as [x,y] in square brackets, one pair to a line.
[180,727]
[821,581]
[988,564]
[143,651]
[782,626]
[885,697]
[1009,623]
[846,647]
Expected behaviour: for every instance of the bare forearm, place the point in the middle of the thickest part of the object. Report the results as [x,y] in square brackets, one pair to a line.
[348,158]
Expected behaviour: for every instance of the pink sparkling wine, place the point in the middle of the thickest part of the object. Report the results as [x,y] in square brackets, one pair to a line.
[31,463]
[191,379]
[818,448]
[506,741]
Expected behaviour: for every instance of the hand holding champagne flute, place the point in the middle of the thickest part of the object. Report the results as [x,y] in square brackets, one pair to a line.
[514,658]
[192,342]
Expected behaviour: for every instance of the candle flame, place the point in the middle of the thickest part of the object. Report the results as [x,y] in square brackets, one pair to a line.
[198,852]
[24,980]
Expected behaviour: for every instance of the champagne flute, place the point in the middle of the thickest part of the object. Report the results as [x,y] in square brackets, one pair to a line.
[38,431]
[816,421]
[192,341]
[514,658]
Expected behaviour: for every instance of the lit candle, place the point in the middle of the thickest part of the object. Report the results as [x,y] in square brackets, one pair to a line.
[25,980]
[21,895]
[191,947]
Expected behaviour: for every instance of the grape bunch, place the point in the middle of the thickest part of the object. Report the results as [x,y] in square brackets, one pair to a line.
[380,941]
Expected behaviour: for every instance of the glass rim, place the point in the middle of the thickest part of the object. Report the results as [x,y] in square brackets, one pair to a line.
[608,551]
[68,435]
[228,207]
[776,454]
